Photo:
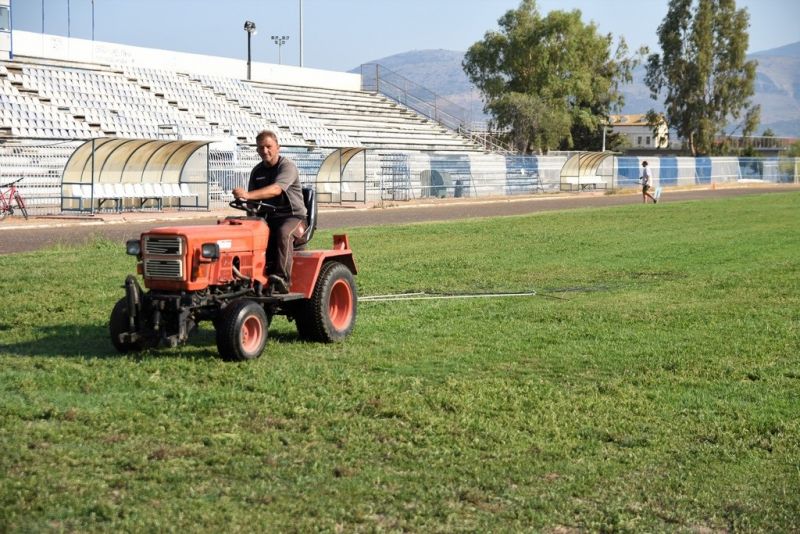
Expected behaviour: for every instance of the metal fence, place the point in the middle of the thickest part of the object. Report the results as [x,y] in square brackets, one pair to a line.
[383,176]
[40,166]
[229,169]
[405,176]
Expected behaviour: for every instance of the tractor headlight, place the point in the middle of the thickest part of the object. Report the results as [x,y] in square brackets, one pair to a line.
[133,247]
[209,251]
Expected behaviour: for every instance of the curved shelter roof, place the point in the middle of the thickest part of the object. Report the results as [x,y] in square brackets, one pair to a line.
[334,184]
[115,160]
[332,168]
[584,164]
[105,170]
[581,170]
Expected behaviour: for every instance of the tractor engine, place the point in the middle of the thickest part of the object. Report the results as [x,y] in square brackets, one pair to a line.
[195,258]
[191,273]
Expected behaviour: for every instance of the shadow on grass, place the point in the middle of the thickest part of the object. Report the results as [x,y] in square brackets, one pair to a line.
[64,341]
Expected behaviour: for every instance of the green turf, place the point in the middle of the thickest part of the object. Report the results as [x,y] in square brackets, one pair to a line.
[653,384]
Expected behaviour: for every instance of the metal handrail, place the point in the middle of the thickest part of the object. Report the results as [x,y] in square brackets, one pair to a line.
[759,141]
[378,79]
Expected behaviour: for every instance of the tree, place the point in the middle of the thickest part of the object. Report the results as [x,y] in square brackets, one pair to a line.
[550,81]
[703,72]
[794,150]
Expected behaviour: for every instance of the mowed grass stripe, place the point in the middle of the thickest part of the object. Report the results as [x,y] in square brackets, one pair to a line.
[651,386]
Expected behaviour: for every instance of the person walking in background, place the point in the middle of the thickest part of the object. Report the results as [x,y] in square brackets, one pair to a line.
[645,180]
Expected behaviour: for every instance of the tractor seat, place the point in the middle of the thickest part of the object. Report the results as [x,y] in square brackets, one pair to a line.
[310,201]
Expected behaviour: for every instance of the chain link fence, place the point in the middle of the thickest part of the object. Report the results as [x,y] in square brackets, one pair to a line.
[39,167]
[393,176]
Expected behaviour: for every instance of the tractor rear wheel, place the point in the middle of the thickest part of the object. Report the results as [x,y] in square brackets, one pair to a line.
[242,331]
[118,324]
[330,314]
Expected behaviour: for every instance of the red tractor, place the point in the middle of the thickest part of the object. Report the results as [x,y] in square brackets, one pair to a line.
[218,273]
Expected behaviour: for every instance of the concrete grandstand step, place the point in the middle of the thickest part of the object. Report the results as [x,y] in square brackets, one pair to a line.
[80,101]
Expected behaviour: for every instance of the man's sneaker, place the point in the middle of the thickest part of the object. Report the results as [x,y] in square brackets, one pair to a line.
[278,284]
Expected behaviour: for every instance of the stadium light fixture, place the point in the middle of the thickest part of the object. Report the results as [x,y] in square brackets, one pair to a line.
[280,40]
[250,28]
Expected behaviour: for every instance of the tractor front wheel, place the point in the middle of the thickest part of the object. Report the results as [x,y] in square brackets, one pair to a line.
[242,331]
[119,324]
[330,314]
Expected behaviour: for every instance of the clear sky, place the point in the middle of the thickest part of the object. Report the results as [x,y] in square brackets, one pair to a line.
[343,34]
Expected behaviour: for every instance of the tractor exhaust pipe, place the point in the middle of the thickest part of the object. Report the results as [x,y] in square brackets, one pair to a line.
[133,292]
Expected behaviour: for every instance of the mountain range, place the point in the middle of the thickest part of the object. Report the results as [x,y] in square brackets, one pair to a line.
[777,87]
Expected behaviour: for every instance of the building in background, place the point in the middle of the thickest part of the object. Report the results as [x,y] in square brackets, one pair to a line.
[639,134]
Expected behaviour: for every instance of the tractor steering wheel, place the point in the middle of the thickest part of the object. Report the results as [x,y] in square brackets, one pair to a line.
[253,208]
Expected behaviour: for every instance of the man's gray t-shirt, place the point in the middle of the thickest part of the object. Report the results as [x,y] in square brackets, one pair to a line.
[285,175]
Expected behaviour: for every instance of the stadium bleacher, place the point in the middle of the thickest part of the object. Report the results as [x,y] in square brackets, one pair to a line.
[264,105]
[373,119]
[51,106]
[66,102]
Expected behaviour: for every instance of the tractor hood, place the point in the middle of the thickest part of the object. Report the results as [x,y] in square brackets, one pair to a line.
[172,258]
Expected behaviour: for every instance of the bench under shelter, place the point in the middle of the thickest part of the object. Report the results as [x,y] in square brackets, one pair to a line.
[135,174]
[582,171]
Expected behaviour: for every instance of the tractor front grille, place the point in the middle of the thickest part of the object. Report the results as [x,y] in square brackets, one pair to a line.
[163,245]
[164,269]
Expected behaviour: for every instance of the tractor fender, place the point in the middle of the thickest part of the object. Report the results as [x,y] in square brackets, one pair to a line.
[307,266]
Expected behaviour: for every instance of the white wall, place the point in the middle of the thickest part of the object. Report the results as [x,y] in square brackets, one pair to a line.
[87,51]
[5,45]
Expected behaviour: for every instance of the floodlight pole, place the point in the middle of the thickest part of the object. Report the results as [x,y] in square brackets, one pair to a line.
[250,28]
[301,33]
[280,40]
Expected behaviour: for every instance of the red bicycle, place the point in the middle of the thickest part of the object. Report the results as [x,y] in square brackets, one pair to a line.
[9,197]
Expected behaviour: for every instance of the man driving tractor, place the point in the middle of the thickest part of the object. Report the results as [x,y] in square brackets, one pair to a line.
[236,273]
[276,180]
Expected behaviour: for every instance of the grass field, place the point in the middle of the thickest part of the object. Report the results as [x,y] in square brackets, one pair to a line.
[653,384]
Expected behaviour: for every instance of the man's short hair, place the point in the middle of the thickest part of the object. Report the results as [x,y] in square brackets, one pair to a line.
[267,133]
[644,164]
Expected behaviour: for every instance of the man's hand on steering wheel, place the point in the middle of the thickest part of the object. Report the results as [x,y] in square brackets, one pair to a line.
[252,207]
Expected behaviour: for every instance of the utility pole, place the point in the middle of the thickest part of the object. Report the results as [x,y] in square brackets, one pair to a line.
[280,40]
[301,32]
[604,138]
